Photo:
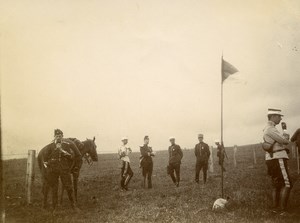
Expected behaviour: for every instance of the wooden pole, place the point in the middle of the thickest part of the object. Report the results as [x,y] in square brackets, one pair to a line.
[30,175]
[222,142]
[254,155]
[211,165]
[234,155]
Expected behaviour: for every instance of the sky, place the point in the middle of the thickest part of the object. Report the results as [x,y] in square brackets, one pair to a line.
[133,68]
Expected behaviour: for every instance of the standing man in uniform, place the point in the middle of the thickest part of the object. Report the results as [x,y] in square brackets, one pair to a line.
[59,159]
[175,156]
[221,154]
[126,172]
[277,161]
[202,154]
[147,162]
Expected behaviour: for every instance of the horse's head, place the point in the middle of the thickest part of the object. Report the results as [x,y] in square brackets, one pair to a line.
[91,148]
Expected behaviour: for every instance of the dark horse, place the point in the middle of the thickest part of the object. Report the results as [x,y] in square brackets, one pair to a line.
[87,149]
[89,152]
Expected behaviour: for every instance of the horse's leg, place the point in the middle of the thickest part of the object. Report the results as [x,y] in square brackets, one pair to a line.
[45,190]
[75,184]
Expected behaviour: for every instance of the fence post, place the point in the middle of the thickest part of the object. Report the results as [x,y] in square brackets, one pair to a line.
[254,154]
[30,175]
[211,165]
[234,155]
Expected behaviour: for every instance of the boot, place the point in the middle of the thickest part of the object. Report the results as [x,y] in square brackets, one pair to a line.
[284,197]
[72,200]
[275,199]
[204,177]
[149,183]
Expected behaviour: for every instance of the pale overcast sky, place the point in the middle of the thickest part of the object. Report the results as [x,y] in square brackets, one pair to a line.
[133,68]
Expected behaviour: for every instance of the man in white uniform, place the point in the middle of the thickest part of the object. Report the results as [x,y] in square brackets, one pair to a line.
[277,160]
[126,172]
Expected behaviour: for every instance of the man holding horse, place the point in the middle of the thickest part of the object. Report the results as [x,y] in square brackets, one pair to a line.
[58,159]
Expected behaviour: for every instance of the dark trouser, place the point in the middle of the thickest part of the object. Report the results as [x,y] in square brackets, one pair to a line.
[147,174]
[278,171]
[126,174]
[201,165]
[66,179]
[175,167]
[221,163]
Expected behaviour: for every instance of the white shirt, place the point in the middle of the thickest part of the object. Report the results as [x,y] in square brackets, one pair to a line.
[124,152]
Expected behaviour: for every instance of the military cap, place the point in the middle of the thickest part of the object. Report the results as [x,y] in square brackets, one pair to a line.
[272,111]
[58,132]
[200,135]
[124,138]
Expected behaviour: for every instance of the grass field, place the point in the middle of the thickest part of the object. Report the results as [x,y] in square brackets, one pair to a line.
[101,200]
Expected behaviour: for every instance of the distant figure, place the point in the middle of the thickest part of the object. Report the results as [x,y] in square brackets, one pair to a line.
[202,153]
[277,161]
[57,160]
[146,162]
[296,138]
[126,172]
[175,156]
[221,154]
[220,203]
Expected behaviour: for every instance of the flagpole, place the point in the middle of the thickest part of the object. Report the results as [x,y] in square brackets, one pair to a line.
[222,144]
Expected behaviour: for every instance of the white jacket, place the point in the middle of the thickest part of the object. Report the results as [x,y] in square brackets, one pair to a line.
[271,134]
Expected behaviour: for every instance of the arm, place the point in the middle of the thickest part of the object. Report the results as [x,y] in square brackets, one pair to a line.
[208,151]
[277,137]
[151,152]
[121,153]
[43,157]
[180,152]
[129,150]
[196,151]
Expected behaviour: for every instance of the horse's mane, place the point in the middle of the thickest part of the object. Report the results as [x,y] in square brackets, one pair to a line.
[88,142]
